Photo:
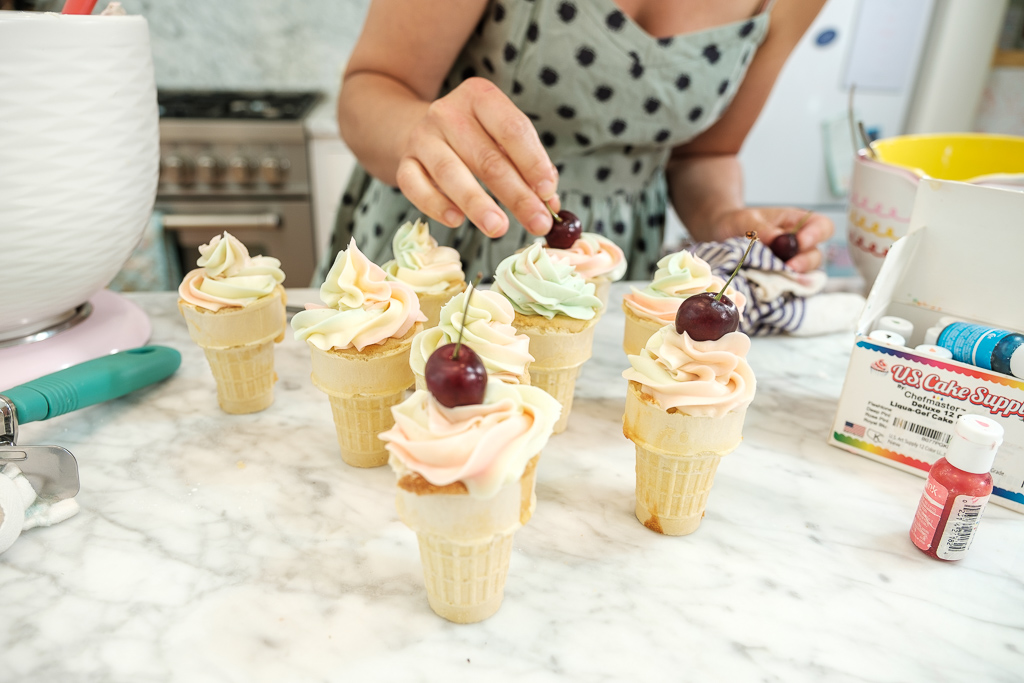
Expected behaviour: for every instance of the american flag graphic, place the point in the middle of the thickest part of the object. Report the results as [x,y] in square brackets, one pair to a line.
[856,430]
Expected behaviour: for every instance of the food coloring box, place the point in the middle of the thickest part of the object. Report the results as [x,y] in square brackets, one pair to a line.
[961,257]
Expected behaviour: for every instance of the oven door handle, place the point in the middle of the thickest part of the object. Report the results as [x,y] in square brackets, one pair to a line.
[257,221]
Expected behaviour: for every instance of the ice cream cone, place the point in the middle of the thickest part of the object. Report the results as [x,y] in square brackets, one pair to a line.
[677,456]
[602,285]
[239,346]
[431,304]
[638,331]
[559,346]
[465,542]
[362,387]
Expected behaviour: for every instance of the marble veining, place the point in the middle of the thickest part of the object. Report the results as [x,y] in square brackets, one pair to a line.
[240,548]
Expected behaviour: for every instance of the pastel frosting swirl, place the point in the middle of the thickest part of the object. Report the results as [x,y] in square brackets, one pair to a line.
[698,378]
[228,277]
[593,255]
[421,263]
[537,284]
[485,446]
[362,307]
[488,331]
[679,275]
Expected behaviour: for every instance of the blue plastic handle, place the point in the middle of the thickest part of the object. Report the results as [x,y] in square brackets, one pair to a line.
[92,382]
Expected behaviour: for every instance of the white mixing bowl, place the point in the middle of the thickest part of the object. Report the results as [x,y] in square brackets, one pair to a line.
[79,159]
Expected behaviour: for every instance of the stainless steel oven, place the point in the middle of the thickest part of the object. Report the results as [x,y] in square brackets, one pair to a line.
[237,162]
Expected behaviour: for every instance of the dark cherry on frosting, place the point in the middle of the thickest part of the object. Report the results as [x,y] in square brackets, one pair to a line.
[565,230]
[454,373]
[708,316]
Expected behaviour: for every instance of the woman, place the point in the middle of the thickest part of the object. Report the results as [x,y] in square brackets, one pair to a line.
[607,108]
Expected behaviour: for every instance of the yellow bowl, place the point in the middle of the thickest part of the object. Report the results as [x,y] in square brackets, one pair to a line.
[967,157]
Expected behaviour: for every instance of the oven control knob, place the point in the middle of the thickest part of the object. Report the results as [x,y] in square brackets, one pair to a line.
[274,170]
[176,170]
[240,170]
[209,169]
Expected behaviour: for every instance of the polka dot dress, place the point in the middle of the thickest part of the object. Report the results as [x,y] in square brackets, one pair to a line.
[609,102]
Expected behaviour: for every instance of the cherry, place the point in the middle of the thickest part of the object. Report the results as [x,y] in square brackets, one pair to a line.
[565,230]
[785,246]
[708,316]
[456,376]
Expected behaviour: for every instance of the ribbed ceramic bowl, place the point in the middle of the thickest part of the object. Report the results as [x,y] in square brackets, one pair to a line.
[79,159]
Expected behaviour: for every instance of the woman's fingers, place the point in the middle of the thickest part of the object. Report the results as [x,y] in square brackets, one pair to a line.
[806,261]
[421,191]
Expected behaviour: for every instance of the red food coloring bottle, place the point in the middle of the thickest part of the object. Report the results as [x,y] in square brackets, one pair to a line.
[958,488]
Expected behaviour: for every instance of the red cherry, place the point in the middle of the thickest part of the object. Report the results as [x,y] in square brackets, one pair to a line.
[785,246]
[456,381]
[707,318]
[564,232]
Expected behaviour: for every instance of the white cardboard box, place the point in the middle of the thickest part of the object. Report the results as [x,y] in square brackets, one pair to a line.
[963,256]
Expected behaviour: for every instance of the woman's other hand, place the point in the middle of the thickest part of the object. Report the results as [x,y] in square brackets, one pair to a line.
[473,135]
[815,229]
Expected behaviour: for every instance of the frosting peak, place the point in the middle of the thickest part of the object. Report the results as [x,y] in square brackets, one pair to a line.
[702,379]
[594,256]
[485,446]
[679,275]
[537,284]
[362,307]
[228,277]
[421,263]
[489,332]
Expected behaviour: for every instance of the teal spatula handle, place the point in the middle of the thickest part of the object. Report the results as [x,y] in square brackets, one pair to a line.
[92,382]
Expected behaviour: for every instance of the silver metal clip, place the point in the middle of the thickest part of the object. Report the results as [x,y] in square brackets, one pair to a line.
[52,470]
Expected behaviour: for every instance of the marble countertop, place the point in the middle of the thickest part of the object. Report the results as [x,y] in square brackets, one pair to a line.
[240,548]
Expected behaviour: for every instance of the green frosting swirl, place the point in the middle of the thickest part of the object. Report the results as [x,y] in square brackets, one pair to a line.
[536,284]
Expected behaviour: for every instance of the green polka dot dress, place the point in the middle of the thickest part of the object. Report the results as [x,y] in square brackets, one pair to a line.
[609,103]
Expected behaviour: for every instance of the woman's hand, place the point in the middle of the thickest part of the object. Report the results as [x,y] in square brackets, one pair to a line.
[772,222]
[475,133]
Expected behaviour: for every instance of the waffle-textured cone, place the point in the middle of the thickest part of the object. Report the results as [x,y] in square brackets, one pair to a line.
[239,346]
[362,387]
[431,304]
[677,456]
[638,331]
[559,347]
[465,542]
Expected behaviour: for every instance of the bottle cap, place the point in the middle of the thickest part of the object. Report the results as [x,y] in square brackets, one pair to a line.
[1017,362]
[974,445]
[933,350]
[900,326]
[888,337]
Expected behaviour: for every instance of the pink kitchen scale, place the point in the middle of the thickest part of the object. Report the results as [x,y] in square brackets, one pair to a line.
[105,324]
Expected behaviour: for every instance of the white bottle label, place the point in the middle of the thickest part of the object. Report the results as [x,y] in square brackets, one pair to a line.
[964,516]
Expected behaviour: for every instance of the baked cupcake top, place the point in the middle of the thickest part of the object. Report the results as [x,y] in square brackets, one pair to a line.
[698,378]
[228,277]
[362,307]
[679,276]
[484,446]
[594,256]
[420,263]
[537,284]
[489,331]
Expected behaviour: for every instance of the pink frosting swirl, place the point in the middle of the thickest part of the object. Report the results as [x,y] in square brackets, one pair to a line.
[679,276]
[702,379]
[228,277]
[594,256]
[485,446]
[363,307]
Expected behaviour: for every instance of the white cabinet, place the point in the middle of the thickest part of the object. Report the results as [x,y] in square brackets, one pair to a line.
[331,163]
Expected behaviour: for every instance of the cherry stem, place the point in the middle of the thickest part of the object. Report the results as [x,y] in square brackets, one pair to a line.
[752,236]
[552,212]
[803,221]
[465,309]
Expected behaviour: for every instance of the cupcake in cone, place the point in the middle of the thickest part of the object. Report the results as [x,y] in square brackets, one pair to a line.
[433,272]
[679,276]
[487,328]
[359,343]
[597,260]
[557,310]
[466,484]
[688,393]
[233,305]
